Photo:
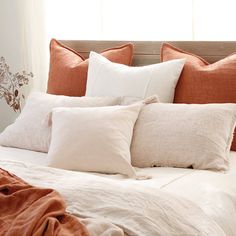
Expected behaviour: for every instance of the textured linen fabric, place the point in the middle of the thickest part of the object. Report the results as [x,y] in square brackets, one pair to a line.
[201,82]
[217,202]
[181,135]
[106,78]
[93,139]
[130,207]
[28,210]
[31,129]
[68,69]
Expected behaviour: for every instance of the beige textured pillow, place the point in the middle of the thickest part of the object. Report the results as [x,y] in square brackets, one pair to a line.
[31,130]
[180,135]
[93,139]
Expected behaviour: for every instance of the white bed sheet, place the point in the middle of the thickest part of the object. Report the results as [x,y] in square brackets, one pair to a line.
[22,155]
[213,192]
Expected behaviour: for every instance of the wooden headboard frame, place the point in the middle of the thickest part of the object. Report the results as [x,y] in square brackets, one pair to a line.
[148,52]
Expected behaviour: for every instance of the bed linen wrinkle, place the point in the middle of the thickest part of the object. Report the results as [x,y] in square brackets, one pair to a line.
[124,203]
[28,210]
[213,192]
[177,178]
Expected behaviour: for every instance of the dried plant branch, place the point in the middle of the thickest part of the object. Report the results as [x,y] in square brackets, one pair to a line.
[10,85]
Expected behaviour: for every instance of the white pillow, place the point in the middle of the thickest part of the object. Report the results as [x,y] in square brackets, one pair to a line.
[31,130]
[180,135]
[106,78]
[93,139]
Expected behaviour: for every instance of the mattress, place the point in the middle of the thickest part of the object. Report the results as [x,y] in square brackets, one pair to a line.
[213,192]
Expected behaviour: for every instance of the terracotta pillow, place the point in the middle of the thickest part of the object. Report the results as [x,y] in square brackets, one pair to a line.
[68,69]
[201,82]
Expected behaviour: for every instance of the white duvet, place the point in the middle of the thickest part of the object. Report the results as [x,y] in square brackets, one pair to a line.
[173,202]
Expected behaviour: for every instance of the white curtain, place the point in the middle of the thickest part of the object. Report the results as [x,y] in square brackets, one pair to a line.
[23,53]
[34,45]
[141,19]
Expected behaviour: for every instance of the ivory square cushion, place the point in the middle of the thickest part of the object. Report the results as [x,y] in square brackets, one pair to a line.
[106,78]
[182,135]
[201,82]
[93,139]
[31,129]
[68,69]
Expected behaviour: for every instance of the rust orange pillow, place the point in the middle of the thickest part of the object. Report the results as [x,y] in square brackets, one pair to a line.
[201,82]
[68,69]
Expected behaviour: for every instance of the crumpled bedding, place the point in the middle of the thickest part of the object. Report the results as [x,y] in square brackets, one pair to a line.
[28,210]
[110,206]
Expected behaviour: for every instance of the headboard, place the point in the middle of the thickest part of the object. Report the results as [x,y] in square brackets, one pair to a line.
[148,52]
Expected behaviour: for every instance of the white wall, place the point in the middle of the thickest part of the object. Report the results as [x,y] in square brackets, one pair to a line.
[11,50]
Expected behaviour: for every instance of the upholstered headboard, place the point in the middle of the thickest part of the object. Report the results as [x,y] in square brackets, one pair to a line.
[148,52]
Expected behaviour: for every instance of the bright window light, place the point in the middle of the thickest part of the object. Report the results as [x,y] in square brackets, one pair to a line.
[141,19]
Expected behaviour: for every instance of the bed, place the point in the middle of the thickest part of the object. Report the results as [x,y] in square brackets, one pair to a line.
[171,200]
[213,192]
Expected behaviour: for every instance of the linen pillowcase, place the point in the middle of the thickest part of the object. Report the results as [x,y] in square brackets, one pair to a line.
[93,139]
[31,130]
[106,78]
[68,69]
[181,135]
[201,82]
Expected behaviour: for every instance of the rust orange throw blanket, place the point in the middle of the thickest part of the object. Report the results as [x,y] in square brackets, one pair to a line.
[27,210]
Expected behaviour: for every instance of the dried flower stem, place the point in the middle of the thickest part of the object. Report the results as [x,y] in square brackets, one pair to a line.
[10,85]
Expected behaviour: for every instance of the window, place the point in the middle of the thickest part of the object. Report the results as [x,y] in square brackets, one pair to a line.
[141,19]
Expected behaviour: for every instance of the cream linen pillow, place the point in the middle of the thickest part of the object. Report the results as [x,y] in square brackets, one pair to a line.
[31,130]
[106,78]
[93,139]
[180,135]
